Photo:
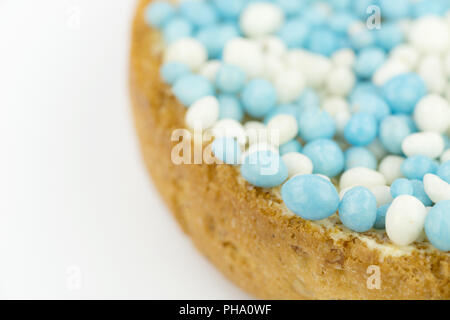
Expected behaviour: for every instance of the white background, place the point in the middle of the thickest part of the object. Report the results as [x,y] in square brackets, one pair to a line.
[79,217]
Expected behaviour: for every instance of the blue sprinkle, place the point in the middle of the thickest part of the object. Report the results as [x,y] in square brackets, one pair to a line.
[403,92]
[176,29]
[340,4]
[314,123]
[323,41]
[368,61]
[326,156]
[401,187]
[361,129]
[190,88]
[363,88]
[430,7]
[227,150]
[389,36]
[259,97]
[215,37]
[230,107]
[172,71]
[200,13]
[359,157]
[308,99]
[419,192]
[437,226]
[291,146]
[380,222]
[230,8]
[444,171]
[158,13]
[264,169]
[416,167]
[294,33]
[397,9]
[310,197]
[230,79]
[290,109]
[341,21]
[358,209]
[393,130]
[291,7]
[446,141]
[360,8]
[371,103]
[314,15]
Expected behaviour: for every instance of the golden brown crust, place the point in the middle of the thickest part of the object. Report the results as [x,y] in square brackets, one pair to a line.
[244,231]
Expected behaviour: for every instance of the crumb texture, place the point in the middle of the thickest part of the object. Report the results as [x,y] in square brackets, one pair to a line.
[244,230]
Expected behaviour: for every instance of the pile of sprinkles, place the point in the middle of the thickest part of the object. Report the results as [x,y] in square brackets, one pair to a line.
[360,106]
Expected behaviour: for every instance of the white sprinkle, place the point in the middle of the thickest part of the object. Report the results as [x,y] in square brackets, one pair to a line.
[390,168]
[254,125]
[297,58]
[245,53]
[390,69]
[445,156]
[317,68]
[272,66]
[289,85]
[360,176]
[341,119]
[344,58]
[432,71]
[314,67]
[430,144]
[447,92]
[203,113]
[260,19]
[382,194]
[335,104]
[406,54]
[405,220]
[230,128]
[432,113]
[376,147]
[209,70]
[273,46]
[283,125]
[430,34]
[297,164]
[340,81]
[188,51]
[436,188]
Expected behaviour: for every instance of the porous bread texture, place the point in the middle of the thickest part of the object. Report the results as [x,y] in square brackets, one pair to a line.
[248,233]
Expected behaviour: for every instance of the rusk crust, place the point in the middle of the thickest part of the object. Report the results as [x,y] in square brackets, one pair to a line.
[248,233]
